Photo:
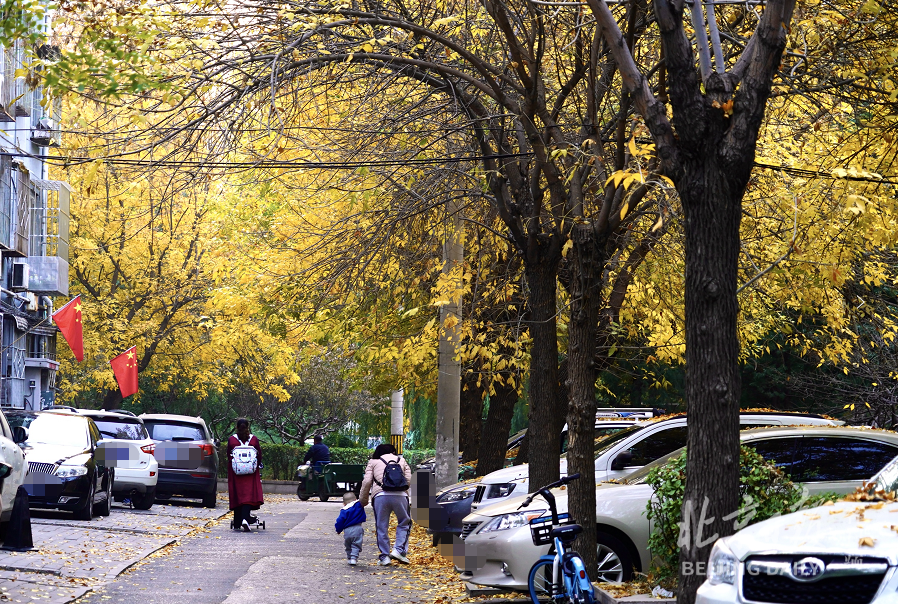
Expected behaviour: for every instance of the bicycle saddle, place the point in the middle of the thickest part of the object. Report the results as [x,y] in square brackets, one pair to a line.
[566,532]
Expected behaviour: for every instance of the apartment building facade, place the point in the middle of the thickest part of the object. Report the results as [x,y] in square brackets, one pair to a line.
[34,232]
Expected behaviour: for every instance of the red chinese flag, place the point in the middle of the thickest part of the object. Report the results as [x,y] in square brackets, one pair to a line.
[124,366]
[68,320]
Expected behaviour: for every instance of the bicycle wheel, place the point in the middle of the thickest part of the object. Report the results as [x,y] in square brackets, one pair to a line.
[540,582]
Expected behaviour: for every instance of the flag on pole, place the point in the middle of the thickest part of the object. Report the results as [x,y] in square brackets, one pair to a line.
[124,366]
[68,320]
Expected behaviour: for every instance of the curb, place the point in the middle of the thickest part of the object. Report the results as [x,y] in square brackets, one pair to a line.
[603,597]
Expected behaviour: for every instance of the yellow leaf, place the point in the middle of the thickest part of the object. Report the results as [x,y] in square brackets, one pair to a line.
[567,247]
[624,208]
[866,542]
[91,175]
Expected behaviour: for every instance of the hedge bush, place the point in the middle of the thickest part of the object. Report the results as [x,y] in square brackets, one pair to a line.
[280,461]
[766,487]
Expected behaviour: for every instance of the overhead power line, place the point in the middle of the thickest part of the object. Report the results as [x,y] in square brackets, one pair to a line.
[313,165]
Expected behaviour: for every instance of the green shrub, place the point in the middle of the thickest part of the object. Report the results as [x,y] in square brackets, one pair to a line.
[280,461]
[764,487]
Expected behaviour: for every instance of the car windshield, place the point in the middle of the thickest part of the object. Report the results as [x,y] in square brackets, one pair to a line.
[169,430]
[639,476]
[887,478]
[605,442]
[121,429]
[53,429]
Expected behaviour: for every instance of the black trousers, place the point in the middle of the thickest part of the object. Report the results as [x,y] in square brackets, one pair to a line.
[241,513]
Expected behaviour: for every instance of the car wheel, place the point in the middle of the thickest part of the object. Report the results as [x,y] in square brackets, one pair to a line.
[105,508]
[87,511]
[210,500]
[615,563]
[146,500]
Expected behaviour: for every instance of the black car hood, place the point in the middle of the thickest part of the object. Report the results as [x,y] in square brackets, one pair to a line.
[47,453]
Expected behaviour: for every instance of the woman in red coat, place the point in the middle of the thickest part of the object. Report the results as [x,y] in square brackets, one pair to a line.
[244,491]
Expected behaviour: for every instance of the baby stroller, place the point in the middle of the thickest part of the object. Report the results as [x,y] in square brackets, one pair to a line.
[254,521]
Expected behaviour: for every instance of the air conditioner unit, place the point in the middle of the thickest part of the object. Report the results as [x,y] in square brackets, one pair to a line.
[19,277]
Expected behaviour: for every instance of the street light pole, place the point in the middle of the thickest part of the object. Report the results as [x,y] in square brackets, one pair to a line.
[449,381]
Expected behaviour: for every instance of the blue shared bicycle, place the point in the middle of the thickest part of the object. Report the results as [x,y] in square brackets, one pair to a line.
[560,577]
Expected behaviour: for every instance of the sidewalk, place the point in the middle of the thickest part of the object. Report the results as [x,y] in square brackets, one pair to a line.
[297,559]
[72,557]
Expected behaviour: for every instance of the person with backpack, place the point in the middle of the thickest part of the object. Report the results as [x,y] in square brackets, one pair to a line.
[386,486]
[244,475]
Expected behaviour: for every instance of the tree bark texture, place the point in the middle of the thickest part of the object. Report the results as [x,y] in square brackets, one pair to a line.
[544,439]
[585,303]
[495,431]
[713,211]
[471,417]
[112,400]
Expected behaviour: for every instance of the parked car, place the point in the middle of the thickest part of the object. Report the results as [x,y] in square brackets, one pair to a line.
[453,503]
[129,449]
[66,466]
[628,450]
[187,456]
[500,552]
[13,469]
[846,552]
[514,443]
[516,440]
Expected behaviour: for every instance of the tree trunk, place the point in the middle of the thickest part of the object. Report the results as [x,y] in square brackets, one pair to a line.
[585,299]
[449,380]
[471,417]
[543,373]
[495,431]
[713,212]
[112,400]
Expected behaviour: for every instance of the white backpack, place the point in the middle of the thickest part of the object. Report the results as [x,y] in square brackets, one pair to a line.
[244,458]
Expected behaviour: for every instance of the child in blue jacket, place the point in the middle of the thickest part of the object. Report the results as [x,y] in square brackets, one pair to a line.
[349,522]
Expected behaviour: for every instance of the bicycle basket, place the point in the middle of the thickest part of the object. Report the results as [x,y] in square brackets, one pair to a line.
[541,528]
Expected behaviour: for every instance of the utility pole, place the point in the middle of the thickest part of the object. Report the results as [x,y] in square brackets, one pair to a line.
[449,382]
[397,429]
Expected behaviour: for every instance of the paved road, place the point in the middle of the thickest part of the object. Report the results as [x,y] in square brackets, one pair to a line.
[297,559]
[73,556]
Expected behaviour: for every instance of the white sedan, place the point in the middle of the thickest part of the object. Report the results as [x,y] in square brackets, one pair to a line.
[13,468]
[846,553]
[499,551]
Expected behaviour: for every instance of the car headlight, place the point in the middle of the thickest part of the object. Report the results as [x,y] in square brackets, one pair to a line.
[510,521]
[457,495]
[722,565]
[71,471]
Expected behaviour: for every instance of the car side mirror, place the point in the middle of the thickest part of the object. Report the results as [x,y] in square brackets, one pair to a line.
[19,435]
[622,461]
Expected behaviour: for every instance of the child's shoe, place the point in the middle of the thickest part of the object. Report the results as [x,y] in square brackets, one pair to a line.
[353,562]
[384,562]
